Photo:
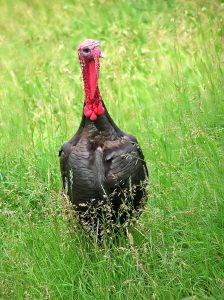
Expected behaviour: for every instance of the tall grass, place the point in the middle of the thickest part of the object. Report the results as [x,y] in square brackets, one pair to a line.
[163,82]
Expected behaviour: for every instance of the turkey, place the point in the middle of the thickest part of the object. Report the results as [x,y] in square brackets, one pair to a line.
[103,169]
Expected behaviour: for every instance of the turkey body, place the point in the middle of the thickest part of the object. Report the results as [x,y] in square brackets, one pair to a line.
[104,174]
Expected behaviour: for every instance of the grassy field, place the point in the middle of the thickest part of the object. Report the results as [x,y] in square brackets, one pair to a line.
[163,82]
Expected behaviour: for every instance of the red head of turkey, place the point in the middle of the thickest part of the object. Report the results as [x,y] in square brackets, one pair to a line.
[103,169]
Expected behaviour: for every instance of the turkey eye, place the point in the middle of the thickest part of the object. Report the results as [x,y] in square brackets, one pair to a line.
[86,50]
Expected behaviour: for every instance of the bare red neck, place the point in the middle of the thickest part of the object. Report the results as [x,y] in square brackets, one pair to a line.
[90,71]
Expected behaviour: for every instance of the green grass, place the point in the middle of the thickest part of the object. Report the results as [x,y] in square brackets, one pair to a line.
[163,82]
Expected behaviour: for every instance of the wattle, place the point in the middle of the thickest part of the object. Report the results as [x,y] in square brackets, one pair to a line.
[92,111]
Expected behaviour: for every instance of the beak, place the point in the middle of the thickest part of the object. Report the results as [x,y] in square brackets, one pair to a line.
[103,55]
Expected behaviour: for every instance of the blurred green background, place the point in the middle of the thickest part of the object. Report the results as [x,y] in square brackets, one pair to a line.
[162,82]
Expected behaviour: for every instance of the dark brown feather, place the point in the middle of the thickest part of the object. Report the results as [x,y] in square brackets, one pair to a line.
[103,170]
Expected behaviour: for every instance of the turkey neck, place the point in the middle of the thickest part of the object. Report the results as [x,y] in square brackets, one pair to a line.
[90,75]
[93,105]
[95,115]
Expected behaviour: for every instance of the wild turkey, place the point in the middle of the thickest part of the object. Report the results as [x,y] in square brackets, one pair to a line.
[103,169]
